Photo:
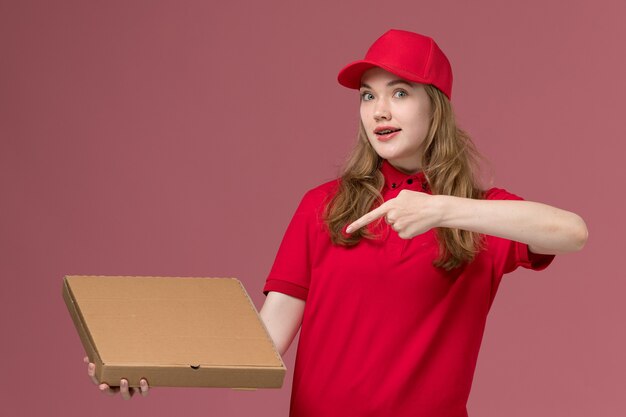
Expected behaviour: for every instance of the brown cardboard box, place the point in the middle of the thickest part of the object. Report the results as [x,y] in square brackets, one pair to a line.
[173,331]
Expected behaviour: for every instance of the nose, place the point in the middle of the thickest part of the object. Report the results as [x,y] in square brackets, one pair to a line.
[381,111]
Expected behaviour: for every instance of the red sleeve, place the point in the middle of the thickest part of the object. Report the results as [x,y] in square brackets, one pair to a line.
[509,254]
[291,271]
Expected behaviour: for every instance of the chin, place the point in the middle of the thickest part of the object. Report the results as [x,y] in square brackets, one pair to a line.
[389,154]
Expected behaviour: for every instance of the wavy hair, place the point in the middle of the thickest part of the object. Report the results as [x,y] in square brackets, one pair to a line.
[450,163]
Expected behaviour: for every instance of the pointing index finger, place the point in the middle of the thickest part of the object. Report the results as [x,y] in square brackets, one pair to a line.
[367,218]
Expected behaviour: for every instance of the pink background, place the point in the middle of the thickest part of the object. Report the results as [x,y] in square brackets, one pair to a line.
[177,138]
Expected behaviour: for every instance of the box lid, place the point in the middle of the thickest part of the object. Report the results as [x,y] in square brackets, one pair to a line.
[176,326]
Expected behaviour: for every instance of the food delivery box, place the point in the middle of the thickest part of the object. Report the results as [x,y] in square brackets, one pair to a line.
[173,331]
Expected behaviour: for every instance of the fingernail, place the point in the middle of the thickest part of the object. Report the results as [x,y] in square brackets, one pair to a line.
[349,230]
[102,387]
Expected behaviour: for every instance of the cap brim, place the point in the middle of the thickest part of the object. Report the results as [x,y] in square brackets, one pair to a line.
[350,75]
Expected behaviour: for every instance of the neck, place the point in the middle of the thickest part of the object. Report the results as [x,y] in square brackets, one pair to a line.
[409,169]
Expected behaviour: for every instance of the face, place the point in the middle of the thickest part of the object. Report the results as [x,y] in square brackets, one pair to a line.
[390,101]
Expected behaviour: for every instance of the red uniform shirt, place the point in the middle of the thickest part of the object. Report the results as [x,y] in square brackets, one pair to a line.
[384,332]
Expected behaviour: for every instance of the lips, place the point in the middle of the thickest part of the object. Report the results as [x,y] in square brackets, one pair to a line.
[385,130]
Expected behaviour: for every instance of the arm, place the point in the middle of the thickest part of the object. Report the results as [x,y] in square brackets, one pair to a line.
[282,316]
[546,229]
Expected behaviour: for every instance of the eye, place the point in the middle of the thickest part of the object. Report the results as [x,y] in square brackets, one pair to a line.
[364,95]
[402,91]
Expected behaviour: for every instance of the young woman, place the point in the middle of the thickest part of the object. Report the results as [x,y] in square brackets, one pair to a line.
[389,270]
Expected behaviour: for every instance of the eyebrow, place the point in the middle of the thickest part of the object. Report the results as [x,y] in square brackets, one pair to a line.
[390,83]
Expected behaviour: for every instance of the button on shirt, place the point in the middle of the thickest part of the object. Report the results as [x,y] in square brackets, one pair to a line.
[384,332]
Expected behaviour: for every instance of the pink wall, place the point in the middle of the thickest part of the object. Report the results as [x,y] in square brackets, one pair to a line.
[176,138]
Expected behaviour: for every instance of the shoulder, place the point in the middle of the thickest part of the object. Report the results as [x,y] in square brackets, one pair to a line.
[312,205]
[496,193]
[320,194]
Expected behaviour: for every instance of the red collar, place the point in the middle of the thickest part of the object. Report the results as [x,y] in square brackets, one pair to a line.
[395,178]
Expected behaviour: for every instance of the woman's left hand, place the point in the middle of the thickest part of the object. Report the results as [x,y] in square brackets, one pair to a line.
[410,214]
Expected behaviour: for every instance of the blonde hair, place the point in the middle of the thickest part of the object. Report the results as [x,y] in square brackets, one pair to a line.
[450,164]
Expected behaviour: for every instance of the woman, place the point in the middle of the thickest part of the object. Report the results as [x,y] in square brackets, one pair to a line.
[389,271]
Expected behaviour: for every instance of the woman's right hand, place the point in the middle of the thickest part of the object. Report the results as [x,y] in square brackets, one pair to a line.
[123,388]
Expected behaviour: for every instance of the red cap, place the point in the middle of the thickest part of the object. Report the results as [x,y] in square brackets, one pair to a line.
[409,55]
